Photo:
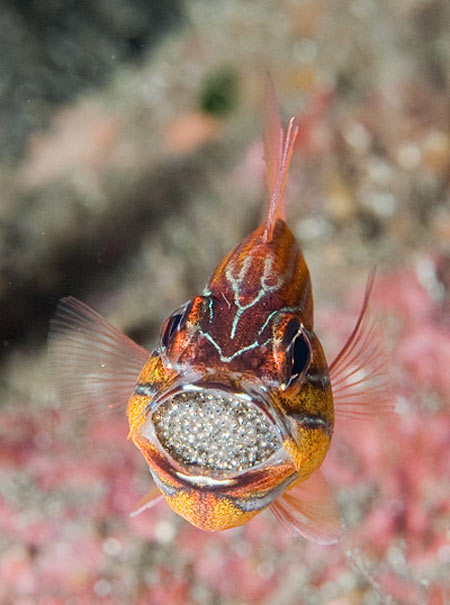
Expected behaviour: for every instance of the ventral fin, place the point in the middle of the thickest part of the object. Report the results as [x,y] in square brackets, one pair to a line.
[148,501]
[93,365]
[359,374]
[309,509]
[278,152]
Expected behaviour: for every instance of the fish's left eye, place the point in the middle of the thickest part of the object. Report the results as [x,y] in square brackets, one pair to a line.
[298,351]
[173,324]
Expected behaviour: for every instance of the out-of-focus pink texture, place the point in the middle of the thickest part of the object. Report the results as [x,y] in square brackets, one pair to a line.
[65,519]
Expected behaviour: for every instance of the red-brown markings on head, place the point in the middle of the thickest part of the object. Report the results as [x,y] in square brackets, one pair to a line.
[230,327]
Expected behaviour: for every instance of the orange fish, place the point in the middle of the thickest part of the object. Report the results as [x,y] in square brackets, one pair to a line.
[234,409]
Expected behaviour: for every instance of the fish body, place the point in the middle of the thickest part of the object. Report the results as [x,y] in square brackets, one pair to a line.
[248,337]
[234,409]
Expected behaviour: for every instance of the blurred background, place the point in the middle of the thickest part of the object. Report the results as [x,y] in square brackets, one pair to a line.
[130,162]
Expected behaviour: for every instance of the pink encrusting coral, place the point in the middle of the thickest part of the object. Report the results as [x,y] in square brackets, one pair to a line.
[67,492]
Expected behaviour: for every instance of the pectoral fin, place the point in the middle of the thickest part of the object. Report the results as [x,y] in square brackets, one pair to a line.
[93,365]
[359,374]
[310,509]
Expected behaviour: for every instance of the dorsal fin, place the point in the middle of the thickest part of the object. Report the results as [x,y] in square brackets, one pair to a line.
[278,151]
[273,137]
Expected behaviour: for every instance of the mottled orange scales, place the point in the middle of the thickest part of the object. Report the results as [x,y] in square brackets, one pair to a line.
[208,512]
[136,409]
[233,410]
[152,373]
[308,457]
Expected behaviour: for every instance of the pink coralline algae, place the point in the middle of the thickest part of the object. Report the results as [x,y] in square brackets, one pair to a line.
[66,492]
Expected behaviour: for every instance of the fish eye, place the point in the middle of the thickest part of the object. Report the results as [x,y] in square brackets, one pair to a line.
[298,351]
[173,324]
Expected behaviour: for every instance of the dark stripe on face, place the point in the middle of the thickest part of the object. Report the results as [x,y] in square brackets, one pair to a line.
[319,378]
[260,501]
[166,489]
[144,388]
[312,421]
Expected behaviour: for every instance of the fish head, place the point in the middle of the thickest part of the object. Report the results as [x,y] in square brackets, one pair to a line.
[235,403]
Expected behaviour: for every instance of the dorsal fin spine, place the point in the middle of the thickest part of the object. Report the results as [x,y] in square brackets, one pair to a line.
[277,208]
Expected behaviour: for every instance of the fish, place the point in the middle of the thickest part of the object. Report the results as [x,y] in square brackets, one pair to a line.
[235,408]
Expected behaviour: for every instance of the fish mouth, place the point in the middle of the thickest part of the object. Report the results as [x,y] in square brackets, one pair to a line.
[215,431]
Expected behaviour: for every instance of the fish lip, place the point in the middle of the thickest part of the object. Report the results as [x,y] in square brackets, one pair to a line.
[249,394]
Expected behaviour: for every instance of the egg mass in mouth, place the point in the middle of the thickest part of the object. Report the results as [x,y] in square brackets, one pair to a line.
[215,431]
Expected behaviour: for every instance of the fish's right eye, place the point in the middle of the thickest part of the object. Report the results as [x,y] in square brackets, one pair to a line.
[173,324]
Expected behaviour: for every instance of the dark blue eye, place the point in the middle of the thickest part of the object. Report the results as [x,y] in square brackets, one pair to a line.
[169,328]
[298,351]
[301,355]
[173,324]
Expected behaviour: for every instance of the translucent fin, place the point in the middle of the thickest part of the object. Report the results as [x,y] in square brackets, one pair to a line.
[273,136]
[94,366]
[147,502]
[359,374]
[278,154]
[310,509]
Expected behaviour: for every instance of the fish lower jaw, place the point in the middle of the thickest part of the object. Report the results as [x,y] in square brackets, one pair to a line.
[213,435]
